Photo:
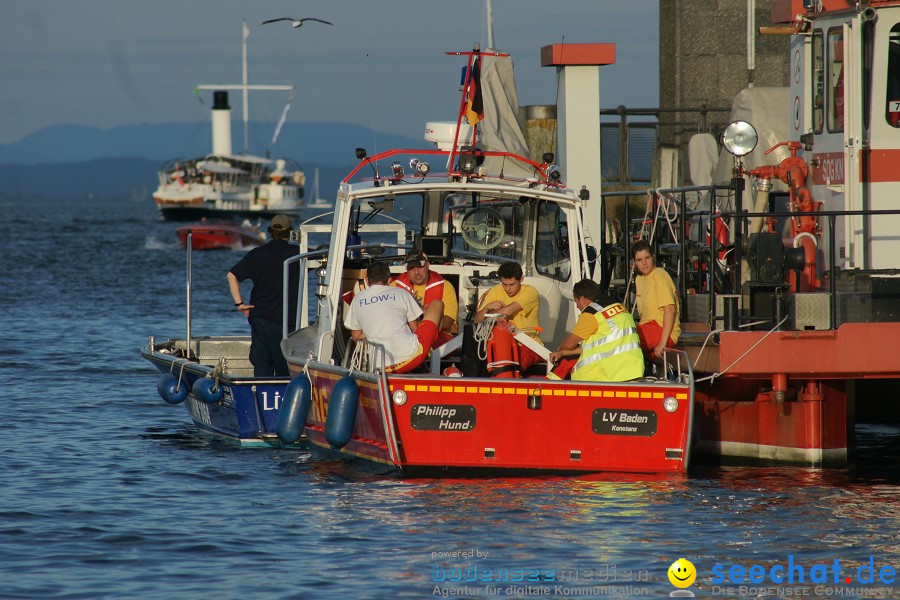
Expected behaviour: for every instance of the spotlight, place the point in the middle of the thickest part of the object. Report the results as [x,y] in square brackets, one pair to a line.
[739,138]
[553,172]
[467,160]
[420,167]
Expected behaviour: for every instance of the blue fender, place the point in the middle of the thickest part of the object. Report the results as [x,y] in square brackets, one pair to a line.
[341,417]
[208,390]
[169,389]
[294,409]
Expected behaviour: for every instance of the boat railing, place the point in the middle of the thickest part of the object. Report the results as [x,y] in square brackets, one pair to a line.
[364,356]
[683,371]
[301,320]
[540,170]
[366,362]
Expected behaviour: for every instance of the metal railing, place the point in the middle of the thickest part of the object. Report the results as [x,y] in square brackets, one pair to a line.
[703,253]
[623,134]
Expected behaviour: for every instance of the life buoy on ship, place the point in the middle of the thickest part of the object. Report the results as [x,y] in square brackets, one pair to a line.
[341,418]
[294,409]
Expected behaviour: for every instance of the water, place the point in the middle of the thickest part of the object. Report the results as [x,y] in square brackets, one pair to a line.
[105,491]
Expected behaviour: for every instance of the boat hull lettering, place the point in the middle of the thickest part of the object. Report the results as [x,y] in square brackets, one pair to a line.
[605,421]
[442,417]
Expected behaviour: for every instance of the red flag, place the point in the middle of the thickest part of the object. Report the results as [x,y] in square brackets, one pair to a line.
[475,105]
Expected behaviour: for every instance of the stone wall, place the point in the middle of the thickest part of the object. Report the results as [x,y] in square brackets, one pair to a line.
[703,61]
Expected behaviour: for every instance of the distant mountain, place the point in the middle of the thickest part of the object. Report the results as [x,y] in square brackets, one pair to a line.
[321,143]
[122,178]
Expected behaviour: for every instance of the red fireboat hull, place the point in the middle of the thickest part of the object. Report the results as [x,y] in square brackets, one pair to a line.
[788,396]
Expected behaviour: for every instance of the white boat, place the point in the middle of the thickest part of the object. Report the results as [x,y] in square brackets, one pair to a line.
[223,184]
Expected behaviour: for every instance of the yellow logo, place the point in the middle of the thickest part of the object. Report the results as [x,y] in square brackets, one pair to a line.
[682,573]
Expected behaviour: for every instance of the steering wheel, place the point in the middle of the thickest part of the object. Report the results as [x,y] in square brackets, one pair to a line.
[482,228]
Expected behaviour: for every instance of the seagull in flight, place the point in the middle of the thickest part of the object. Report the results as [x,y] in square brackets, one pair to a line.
[295,23]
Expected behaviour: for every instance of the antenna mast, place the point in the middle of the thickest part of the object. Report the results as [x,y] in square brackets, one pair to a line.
[246,87]
[246,33]
[490,26]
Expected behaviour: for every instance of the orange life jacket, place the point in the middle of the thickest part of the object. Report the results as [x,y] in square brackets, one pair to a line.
[434,287]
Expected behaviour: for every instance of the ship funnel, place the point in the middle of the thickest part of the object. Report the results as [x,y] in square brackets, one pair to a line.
[221,125]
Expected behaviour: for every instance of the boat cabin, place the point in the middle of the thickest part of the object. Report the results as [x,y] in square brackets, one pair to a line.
[467,227]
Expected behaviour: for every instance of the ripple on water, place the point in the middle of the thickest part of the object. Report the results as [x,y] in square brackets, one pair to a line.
[106,491]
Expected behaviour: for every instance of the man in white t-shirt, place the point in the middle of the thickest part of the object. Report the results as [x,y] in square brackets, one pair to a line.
[389,316]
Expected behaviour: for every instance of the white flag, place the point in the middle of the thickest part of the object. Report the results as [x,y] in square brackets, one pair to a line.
[284,113]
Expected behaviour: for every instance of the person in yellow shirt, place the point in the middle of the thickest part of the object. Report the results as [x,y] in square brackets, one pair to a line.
[426,286]
[518,304]
[657,303]
[603,345]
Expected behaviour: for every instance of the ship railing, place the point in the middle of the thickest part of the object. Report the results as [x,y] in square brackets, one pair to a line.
[720,277]
[832,269]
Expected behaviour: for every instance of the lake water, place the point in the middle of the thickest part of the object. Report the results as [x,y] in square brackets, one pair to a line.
[108,492]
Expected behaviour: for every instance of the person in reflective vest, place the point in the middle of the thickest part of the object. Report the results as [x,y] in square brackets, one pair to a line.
[603,345]
[426,286]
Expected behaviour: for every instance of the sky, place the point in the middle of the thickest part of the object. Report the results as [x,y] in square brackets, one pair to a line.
[108,63]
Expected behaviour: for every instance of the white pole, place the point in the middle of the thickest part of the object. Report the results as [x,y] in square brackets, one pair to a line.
[190,275]
[246,34]
[490,26]
[751,40]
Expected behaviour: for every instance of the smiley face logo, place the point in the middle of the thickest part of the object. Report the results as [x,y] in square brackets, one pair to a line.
[682,573]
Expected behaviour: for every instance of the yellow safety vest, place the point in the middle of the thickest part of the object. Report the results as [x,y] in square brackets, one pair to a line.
[613,352]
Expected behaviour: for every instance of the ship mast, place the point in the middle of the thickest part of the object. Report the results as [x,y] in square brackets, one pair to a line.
[245,87]
[490,26]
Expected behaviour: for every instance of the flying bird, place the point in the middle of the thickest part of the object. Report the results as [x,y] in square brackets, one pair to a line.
[295,23]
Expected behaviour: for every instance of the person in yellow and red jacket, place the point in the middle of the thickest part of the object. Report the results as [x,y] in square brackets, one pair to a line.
[426,286]
[657,303]
[517,303]
[603,345]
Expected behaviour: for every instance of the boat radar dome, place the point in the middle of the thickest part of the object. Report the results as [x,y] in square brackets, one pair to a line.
[443,132]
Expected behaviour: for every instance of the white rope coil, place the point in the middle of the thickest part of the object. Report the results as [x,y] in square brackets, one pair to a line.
[483,332]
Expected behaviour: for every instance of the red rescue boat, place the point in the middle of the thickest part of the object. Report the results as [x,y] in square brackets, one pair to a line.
[442,420]
[221,235]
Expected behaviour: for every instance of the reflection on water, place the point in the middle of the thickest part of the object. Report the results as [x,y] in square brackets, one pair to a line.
[106,491]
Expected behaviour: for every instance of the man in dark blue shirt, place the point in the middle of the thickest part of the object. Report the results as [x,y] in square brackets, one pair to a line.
[265,267]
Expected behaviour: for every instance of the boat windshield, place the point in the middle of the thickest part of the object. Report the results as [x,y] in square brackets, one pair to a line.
[485,225]
[469,225]
[525,230]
